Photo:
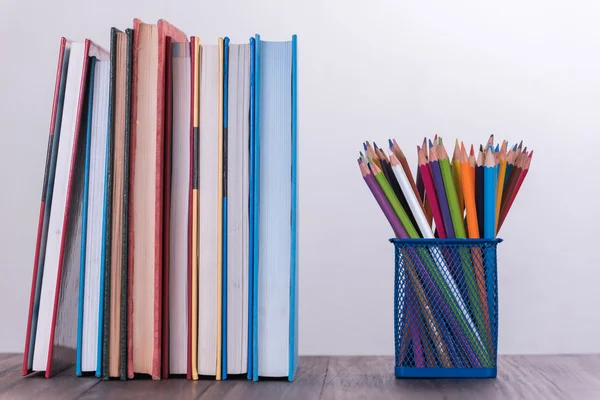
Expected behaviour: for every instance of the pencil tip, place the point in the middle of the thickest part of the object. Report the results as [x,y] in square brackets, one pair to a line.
[456,144]
[375,145]
[472,150]
[365,146]
[390,143]
[430,144]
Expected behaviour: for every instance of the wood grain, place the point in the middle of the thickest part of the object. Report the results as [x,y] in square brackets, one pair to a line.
[307,385]
[519,377]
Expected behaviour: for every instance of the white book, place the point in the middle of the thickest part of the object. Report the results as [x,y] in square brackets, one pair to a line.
[209,199]
[238,135]
[57,236]
[94,239]
[275,208]
[179,212]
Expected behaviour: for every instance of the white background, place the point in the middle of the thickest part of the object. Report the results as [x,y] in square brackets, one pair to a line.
[368,71]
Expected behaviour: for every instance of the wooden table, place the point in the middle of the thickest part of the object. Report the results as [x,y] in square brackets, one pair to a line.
[370,378]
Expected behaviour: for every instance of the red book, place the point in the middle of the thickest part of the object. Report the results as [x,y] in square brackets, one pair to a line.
[40,244]
[52,336]
[144,336]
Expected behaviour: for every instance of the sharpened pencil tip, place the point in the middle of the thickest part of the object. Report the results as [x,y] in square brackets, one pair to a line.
[375,146]
[530,154]
[365,146]
[472,150]
[430,144]
[390,143]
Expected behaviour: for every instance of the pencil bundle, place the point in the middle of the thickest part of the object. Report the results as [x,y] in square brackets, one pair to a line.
[449,302]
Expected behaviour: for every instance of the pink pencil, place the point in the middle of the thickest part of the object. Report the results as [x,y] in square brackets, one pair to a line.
[431,195]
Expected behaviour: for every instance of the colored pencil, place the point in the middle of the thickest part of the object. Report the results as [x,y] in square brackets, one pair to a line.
[489,201]
[510,201]
[500,183]
[440,191]
[419,183]
[479,190]
[371,154]
[400,155]
[394,202]
[392,180]
[389,213]
[411,198]
[430,193]
[451,193]
[456,176]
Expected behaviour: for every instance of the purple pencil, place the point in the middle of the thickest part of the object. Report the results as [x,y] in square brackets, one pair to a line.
[441,192]
[387,209]
[412,318]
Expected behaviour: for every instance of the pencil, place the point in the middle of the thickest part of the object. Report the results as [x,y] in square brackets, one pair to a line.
[411,198]
[479,190]
[430,193]
[371,154]
[400,155]
[392,180]
[451,193]
[394,202]
[426,204]
[510,162]
[500,183]
[420,185]
[512,181]
[472,164]
[473,230]
[522,176]
[456,175]
[489,200]
[440,191]
[385,206]
[469,195]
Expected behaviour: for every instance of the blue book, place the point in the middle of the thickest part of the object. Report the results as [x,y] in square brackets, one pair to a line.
[84,212]
[275,227]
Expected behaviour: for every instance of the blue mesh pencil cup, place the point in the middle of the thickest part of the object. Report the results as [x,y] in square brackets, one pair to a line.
[445,308]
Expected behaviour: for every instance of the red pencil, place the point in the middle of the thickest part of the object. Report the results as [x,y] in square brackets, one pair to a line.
[522,176]
[430,193]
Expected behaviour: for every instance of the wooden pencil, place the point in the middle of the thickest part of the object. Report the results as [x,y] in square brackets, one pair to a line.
[430,193]
[451,193]
[419,183]
[438,181]
[404,162]
[392,180]
[371,154]
[500,183]
[456,175]
[385,206]
[510,162]
[394,202]
[426,204]
[489,200]
[512,181]
[411,198]
[522,175]
[479,190]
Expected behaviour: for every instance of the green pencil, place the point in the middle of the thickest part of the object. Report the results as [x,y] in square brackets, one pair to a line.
[394,202]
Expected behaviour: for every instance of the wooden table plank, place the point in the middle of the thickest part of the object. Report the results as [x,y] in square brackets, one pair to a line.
[306,386]
[147,389]
[64,385]
[372,378]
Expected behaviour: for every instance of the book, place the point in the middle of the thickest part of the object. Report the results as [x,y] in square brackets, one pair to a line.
[46,203]
[208,215]
[90,322]
[146,194]
[275,180]
[179,208]
[56,333]
[236,268]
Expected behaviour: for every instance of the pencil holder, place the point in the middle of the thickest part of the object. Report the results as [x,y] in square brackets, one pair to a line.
[446,308]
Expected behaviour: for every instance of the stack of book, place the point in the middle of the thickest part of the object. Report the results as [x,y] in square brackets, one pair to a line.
[167,235]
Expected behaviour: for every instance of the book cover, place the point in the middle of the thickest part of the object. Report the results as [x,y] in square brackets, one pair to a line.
[45,206]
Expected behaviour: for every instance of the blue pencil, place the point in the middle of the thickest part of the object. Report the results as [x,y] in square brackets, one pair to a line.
[489,195]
